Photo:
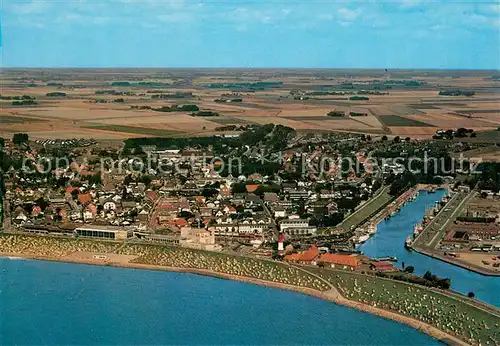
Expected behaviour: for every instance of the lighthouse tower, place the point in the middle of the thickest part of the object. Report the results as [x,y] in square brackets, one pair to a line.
[280,242]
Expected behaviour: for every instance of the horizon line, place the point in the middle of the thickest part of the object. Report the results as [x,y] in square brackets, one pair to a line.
[247,68]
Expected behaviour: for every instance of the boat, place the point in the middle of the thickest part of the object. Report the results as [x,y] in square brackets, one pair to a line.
[372,229]
[363,238]
[388,258]
[408,242]
[417,229]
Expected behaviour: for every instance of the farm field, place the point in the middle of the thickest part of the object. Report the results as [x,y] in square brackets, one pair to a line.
[93,105]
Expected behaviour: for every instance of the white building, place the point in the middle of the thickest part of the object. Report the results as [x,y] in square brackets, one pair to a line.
[105,232]
[293,223]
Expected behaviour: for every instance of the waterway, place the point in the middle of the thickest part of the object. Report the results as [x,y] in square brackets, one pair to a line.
[389,241]
[49,303]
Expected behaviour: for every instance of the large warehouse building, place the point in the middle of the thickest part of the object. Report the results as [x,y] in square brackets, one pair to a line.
[104,232]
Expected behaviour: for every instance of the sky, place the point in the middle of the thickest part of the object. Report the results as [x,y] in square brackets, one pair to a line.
[252,34]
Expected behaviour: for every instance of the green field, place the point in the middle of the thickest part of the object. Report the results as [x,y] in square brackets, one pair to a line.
[225,120]
[404,110]
[133,129]
[7,119]
[423,106]
[315,118]
[396,120]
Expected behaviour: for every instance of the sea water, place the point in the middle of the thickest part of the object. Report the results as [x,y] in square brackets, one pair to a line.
[50,303]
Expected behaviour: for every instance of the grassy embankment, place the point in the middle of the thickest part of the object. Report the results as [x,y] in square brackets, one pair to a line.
[448,313]
[366,211]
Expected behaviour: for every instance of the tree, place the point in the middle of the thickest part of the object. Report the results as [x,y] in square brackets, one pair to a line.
[407,139]
[428,275]
[42,203]
[238,188]
[473,135]
[396,139]
[208,192]
[185,214]
[19,138]
[409,269]
[146,180]
[444,283]
[384,138]
[471,294]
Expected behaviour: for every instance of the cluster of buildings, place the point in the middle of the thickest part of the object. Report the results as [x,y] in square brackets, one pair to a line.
[320,257]
[185,201]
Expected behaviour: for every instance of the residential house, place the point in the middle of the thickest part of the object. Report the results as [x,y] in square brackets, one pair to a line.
[307,257]
[340,261]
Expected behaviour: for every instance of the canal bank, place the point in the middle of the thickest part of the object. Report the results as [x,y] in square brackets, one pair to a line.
[390,238]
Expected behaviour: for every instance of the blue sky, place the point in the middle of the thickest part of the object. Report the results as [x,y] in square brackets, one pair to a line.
[189,33]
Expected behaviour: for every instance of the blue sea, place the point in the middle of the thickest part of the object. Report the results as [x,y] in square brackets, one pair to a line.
[49,303]
[389,241]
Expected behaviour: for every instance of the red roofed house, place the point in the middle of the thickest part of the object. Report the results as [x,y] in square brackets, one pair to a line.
[225,191]
[179,223]
[340,261]
[36,210]
[70,189]
[252,187]
[382,266]
[152,195]
[84,198]
[307,257]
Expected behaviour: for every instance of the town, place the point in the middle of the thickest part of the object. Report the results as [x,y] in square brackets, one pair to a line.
[307,201]
[277,196]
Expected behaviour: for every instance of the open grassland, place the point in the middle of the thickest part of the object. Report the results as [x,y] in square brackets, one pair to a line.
[453,314]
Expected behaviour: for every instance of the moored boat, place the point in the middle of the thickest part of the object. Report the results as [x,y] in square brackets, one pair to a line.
[408,242]
[363,238]
[417,229]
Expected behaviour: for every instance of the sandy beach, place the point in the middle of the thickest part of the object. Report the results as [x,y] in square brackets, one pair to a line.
[330,295]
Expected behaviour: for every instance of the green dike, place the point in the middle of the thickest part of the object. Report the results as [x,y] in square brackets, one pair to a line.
[368,210]
[449,313]
[223,263]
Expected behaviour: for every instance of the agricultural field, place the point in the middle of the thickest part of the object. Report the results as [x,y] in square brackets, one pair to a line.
[119,104]
[490,153]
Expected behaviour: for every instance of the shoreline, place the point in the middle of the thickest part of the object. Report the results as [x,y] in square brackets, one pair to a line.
[325,295]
